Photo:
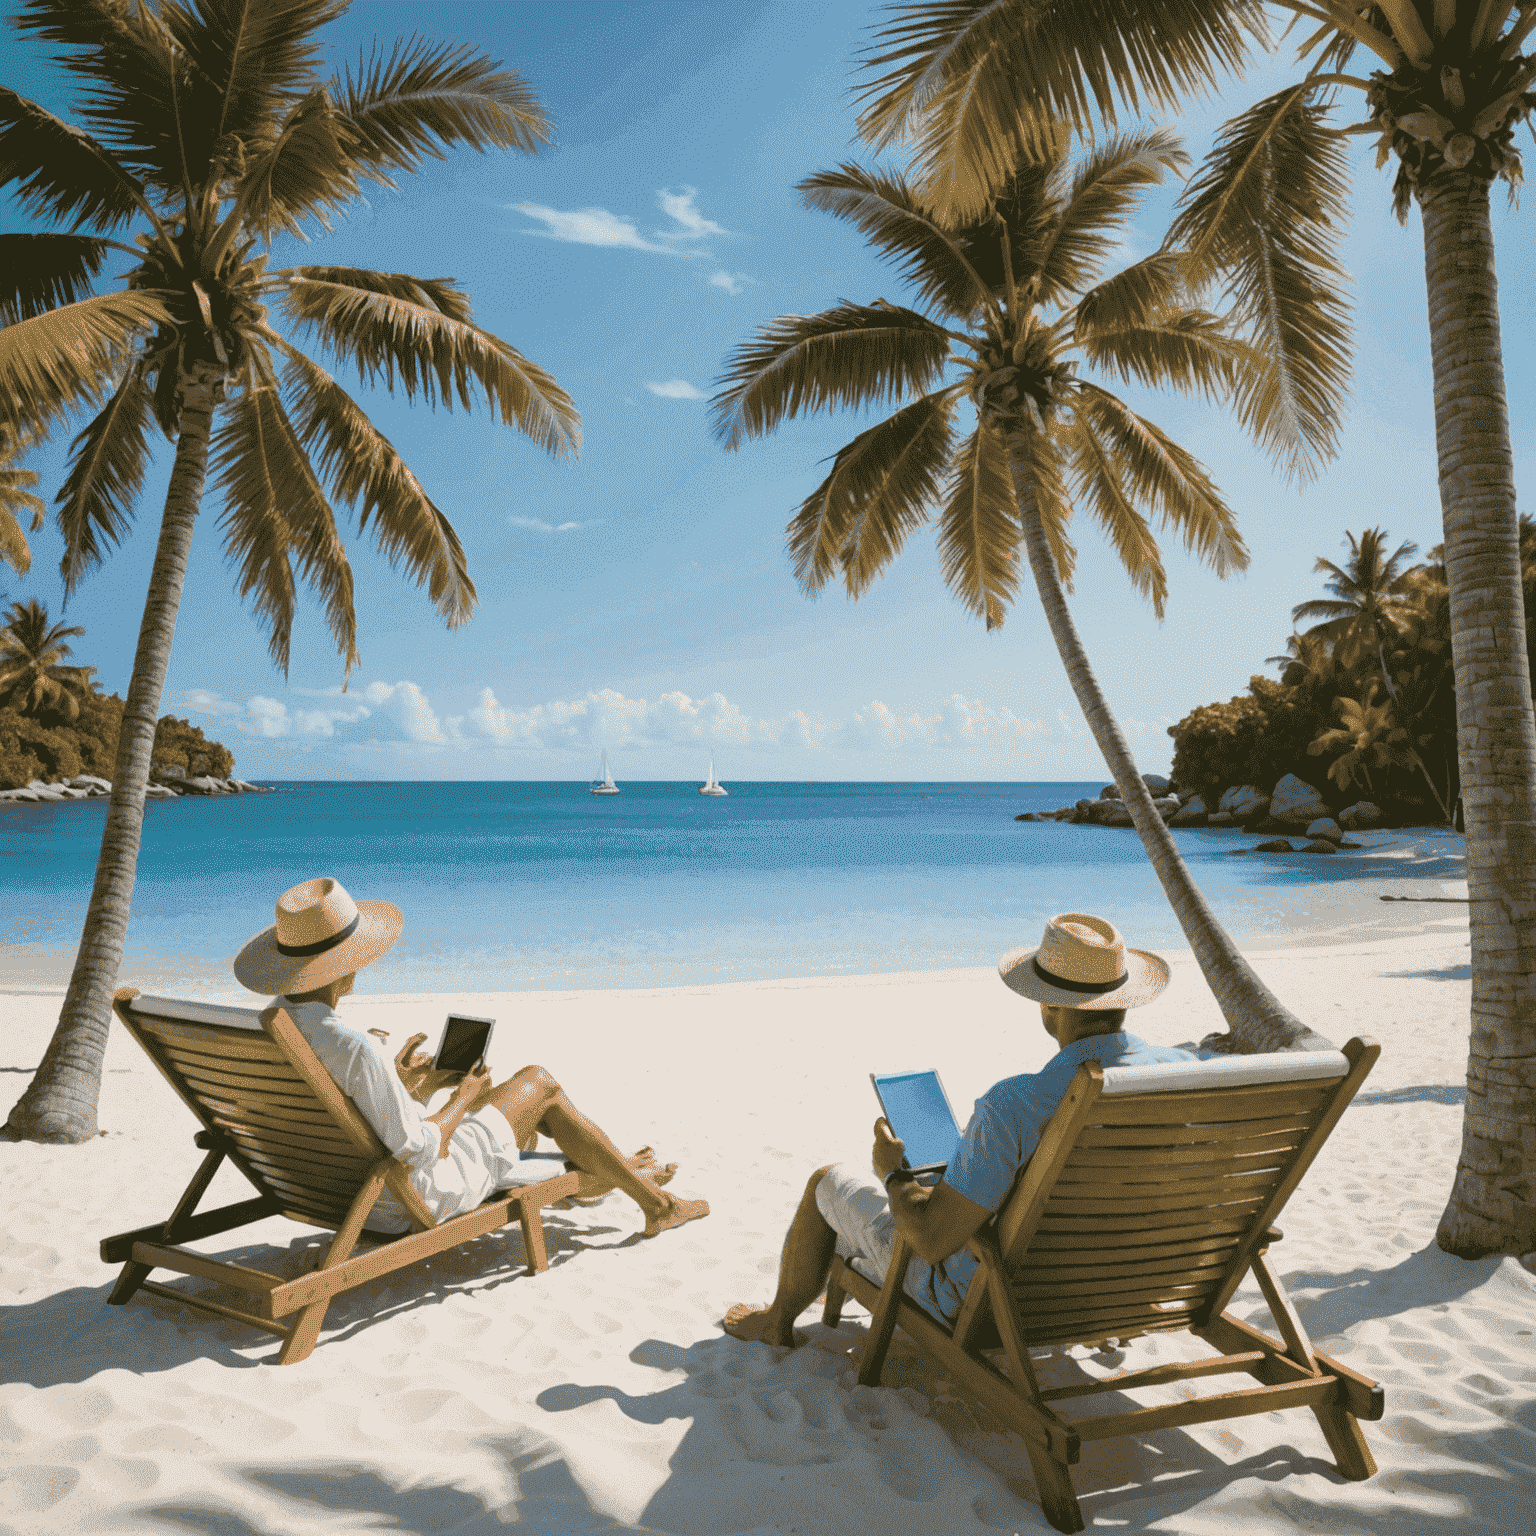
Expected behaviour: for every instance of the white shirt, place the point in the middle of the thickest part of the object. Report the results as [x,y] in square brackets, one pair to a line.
[482,1156]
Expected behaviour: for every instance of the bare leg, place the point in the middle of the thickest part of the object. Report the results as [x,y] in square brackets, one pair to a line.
[534,1102]
[803,1268]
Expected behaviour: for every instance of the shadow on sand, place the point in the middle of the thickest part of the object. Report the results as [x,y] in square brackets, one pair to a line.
[549,1502]
[150,1335]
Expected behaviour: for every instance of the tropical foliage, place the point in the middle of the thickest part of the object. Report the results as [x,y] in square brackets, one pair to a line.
[205,134]
[33,675]
[1022,332]
[1365,705]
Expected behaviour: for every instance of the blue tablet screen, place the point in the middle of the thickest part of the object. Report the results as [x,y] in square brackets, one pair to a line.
[920,1115]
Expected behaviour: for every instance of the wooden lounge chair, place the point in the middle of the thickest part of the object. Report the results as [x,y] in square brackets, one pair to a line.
[268,1105]
[1152,1193]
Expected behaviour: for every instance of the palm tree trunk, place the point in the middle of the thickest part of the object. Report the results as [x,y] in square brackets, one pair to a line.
[1492,1208]
[1256,1017]
[60,1102]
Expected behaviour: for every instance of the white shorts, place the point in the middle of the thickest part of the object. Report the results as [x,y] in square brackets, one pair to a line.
[854,1204]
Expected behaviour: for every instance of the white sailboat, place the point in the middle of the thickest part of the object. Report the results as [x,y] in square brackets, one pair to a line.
[712,788]
[605,785]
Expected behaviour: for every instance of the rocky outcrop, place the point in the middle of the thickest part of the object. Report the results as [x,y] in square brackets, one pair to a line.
[1193,813]
[1296,803]
[87,786]
[1321,845]
[1243,802]
[1326,827]
[1362,814]
[1275,845]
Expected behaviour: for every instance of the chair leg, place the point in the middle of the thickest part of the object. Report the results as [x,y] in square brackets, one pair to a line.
[1058,1502]
[832,1311]
[882,1326]
[300,1343]
[1341,1429]
[532,1223]
[132,1277]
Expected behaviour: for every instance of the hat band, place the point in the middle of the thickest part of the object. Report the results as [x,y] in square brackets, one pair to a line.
[1052,980]
[298,951]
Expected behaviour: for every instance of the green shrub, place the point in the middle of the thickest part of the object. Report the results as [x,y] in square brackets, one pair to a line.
[180,744]
[1255,738]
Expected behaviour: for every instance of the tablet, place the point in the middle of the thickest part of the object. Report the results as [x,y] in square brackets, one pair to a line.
[918,1110]
[465,1040]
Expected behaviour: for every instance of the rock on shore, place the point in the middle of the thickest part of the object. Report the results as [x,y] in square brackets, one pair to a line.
[87,786]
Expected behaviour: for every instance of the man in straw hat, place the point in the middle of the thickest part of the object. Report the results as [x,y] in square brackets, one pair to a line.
[1084,978]
[471,1146]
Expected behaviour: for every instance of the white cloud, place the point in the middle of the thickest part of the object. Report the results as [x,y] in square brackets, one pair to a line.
[676,389]
[732,282]
[406,706]
[678,206]
[959,722]
[539,526]
[588,226]
[399,716]
[618,231]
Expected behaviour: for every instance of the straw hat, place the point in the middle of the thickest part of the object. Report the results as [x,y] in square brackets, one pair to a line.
[1082,962]
[320,934]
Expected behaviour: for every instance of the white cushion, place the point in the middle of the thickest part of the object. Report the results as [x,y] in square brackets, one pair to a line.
[198,1013]
[1227,1072]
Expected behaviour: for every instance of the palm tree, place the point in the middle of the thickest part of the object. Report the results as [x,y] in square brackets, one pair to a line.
[1372,594]
[206,133]
[33,677]
[1018,304]
[972,81]
[16,496]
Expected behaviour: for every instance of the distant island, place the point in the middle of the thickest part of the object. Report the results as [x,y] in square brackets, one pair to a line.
[57,726]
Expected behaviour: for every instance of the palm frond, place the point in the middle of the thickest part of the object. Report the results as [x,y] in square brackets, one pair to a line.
[16,496]
[61,173]
[1264,212]
[106,473]
[276,512]
[39,272]
[1133,294]
[1100,475]
[439,293]
[247,61]
[305,173]
[1189,349]
[68,356]
[851,356]
[884,208]
[979,528]
[424,96]
[441,356]
[1157,473]
[367,474]
[883,487]
[1324,608]
[1106,185]
[969,76]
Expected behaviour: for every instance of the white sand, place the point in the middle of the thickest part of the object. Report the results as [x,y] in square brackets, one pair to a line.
[463,1396]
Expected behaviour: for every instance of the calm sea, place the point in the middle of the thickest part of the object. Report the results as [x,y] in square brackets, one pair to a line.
[542,885]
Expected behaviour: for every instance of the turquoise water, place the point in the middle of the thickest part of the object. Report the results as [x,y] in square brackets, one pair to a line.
[541,885]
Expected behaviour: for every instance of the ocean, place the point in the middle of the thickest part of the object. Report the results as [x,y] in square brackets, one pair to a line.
[542,886]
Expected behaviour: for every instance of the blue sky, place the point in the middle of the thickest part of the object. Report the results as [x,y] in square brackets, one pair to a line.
[640,600]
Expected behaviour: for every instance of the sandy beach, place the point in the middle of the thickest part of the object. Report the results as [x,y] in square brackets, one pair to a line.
[464,1396]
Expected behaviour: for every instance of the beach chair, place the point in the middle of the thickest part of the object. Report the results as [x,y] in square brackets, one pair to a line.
[1152,1193]
[268,1105]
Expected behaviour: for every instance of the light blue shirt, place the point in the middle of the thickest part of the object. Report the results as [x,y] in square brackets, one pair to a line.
[1005,1129]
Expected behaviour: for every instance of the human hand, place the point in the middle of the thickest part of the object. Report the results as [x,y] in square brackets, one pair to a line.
[475,1086]
[890,1151]
[415,1070]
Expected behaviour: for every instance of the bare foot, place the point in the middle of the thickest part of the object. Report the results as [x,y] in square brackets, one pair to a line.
[674,1214]
[754,1324]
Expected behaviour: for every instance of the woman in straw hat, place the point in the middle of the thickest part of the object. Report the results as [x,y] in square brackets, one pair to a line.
[470,1147]
[1084,978]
